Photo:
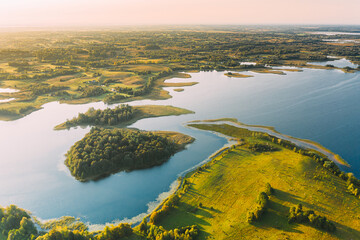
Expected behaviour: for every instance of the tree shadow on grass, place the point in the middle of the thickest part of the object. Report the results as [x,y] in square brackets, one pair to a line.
[212,209]
[193,192]
[295,200]
[276,211]
[186,215]
[345,232]
[275,217]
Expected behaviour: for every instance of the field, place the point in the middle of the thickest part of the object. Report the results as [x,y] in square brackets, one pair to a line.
[222,192]
[237,75]
[124,65]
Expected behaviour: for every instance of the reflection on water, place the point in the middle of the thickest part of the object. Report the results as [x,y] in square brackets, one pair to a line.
[340,63]
[320,105]
[8,90]
[336,33]
[6,100]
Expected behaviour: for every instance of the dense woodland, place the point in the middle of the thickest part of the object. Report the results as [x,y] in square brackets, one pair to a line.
[105,151]
[16,224]
[102,117]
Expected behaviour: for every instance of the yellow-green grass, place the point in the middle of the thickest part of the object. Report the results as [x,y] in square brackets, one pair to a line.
[216,120]
[178,138]
[183,84]
[71,83]
[229,186]
[146,111]
[178,89]
[266,70]
[158,93]
[237,75]
[337,157]
[303,63]
[291,70]
[153,68]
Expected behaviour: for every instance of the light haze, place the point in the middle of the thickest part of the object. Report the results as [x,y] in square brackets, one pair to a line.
[146,12]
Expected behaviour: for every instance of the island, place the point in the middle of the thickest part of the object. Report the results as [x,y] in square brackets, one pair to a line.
[237,75]
[106,151]
[178,89]
[121,116]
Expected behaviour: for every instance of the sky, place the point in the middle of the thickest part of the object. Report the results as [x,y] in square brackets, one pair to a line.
[40,13]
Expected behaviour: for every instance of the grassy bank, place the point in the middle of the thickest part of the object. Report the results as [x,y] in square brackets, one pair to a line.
[218,196]
[336,157]
[140,112]
[237,75]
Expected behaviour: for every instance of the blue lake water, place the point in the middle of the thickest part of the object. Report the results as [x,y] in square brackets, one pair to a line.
[321,105]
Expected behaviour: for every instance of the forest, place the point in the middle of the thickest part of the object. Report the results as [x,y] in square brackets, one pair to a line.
[125,64]
[102,117]
[17,224]
[105,151]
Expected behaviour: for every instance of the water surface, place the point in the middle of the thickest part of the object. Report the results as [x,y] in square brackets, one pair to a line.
[321,105]
[340,63]
[8,90]
[335,33]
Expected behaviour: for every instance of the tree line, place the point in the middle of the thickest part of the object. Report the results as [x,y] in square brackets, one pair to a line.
[107,116]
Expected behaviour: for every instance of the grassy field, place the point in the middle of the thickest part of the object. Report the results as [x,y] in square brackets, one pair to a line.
[145,111]
[119,66]
[237,75]
[227,188]
[26,103]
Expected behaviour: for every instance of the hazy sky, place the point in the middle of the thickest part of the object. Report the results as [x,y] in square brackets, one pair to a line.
[129,12]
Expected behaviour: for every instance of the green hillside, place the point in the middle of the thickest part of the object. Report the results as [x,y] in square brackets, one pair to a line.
[218,196]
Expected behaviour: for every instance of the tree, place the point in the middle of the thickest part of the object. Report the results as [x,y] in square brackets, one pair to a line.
[143,225]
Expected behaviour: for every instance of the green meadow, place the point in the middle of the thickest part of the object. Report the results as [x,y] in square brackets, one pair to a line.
[218,196]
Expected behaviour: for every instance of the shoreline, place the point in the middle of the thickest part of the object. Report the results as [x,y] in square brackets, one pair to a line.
[233,121]
[190,171]
[176,185]
[158,92]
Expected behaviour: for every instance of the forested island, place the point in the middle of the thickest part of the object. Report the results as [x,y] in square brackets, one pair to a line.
[105,151]
[120,116]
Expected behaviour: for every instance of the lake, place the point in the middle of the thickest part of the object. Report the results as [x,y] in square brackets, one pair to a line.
[316,104]
[335,33]
[340,63]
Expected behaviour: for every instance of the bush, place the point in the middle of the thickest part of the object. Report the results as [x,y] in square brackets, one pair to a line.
[298,215]
[260,208]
